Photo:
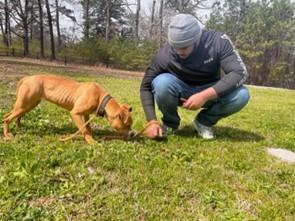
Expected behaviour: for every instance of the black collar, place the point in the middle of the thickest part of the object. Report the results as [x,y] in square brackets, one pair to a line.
[101,108]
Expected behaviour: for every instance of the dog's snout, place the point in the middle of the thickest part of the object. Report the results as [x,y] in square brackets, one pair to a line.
[131,134]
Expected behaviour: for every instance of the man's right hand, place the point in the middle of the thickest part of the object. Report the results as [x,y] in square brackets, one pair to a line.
[153,129]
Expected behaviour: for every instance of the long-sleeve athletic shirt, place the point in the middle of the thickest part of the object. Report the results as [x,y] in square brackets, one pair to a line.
[214,52]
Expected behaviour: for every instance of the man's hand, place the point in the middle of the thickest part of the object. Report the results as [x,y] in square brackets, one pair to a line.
[153,129]
[198,100]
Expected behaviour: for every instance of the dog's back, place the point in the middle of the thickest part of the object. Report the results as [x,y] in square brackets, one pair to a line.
[58,90]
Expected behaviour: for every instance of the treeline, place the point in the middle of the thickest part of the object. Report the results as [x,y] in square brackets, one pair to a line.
[264,33]
[119,33]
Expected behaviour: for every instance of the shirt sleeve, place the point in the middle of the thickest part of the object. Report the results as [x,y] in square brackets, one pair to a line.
[146,95]
[233,67]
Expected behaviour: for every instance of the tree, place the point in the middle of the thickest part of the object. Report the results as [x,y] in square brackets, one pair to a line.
[61,10]
[20,14]
[137,20]
[264,33]
[49,17]
[152,18]
[108,20]
[41,28]
[103,18]
[57,24]
[186,6]
[161,20]
[86,16]
[7,24]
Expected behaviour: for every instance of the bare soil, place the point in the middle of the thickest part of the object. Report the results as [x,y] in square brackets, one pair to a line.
[11,67]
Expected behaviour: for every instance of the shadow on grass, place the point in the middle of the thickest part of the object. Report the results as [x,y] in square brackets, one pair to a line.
[224,133]
[106,134]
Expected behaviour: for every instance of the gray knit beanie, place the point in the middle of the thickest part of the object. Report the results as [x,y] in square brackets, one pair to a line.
[183,30]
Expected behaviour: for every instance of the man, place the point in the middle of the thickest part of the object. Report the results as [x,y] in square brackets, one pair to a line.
[186,72]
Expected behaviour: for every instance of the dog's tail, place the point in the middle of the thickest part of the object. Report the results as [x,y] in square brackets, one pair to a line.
[6,115]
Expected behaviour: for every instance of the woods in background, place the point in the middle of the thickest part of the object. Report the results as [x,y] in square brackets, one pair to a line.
[119,33]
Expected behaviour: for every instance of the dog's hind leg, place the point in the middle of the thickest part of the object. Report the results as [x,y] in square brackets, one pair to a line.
[28,109]
[15,113]
[17,122]
[26,100]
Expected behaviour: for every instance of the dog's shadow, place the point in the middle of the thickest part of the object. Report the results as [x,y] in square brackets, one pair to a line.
[107,134]
[224,133]
[65,130]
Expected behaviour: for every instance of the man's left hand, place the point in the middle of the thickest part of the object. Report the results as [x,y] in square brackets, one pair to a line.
[198,100]
[194,102]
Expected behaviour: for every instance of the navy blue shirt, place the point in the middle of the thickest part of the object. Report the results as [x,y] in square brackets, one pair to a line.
[214,52]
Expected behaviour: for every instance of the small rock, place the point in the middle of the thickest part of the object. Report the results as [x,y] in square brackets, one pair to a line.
[91,170]
[283,154]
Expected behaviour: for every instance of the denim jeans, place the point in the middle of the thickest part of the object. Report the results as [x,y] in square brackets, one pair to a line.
[168,90]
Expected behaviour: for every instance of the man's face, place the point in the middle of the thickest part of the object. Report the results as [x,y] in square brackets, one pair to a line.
[183,53]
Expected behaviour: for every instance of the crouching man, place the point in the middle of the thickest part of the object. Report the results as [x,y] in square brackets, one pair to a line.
[186,72]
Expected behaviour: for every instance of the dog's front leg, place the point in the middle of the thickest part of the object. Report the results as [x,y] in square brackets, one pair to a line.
[86,118]
[80,123]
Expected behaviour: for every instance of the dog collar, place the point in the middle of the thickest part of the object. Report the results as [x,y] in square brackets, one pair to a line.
[101,108]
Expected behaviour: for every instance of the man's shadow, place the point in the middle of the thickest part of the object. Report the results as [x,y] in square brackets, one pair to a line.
[224,133]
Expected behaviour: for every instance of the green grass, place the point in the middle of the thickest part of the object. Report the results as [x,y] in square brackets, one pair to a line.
[186,178]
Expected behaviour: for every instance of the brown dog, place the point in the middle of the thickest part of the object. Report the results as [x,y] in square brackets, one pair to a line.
[81,99]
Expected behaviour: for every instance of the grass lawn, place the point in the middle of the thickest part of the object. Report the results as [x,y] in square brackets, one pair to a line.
[185,178]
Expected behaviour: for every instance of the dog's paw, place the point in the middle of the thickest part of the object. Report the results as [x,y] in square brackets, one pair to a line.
[8,136]
[90,140]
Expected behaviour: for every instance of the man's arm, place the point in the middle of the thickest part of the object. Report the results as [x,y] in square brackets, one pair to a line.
[147,98]
[153,128]
[232,65]
[156,67]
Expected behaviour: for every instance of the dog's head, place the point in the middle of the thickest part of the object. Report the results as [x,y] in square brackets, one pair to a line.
[122,120]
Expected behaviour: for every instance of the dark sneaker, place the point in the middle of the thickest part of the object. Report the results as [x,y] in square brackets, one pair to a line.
[167,130]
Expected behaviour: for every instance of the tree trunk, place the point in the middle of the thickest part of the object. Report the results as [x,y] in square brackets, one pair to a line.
[26,38]
[57,26]
[137,20]
[26,29]
[161,21]
[41,29]
[152,18]
[86,24]
[30,23]
[2,31]
[108,20]
[7,25]
[53,57]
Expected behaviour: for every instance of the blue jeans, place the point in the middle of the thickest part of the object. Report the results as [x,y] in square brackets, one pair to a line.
[168,90]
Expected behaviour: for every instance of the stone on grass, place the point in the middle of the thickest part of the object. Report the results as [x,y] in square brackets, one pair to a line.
[283,154]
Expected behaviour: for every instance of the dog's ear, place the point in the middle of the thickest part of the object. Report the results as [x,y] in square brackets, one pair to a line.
[127,107]
[124,117]
[124,114]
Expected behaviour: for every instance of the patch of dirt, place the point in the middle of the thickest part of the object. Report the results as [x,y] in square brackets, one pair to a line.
[43,202]
[11,68]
